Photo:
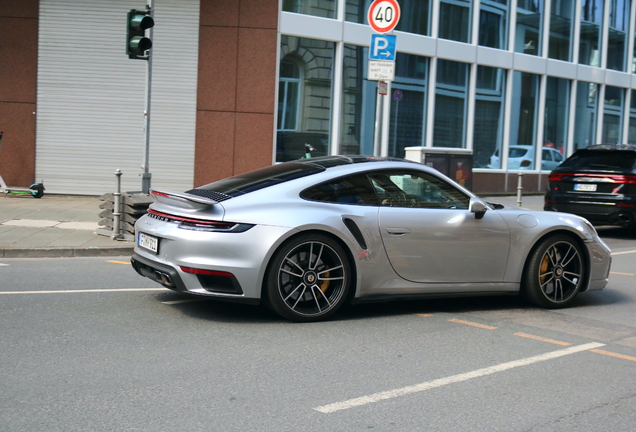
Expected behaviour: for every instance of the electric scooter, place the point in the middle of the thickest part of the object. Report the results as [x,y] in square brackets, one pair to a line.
[36,190]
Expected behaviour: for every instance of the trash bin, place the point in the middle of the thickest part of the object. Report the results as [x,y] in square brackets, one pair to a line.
[456,163]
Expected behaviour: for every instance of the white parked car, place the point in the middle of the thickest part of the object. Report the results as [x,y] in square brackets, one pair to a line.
[521,157]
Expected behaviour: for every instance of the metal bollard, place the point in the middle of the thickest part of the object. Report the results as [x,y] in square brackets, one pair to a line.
[519,188]
[117,208]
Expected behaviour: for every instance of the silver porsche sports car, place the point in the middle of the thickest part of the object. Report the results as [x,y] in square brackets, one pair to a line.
[307,236]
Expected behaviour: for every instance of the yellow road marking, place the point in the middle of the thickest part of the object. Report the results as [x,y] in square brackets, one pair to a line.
[425,315]
[472,324]
[620,356]
[623,274]
[118,262]
[529,336]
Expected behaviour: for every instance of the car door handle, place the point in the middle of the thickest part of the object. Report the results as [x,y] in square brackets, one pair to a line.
[398,231]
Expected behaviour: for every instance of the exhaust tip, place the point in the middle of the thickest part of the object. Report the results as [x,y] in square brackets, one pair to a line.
[164,279]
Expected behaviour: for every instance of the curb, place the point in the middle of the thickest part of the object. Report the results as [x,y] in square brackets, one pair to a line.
[63,252]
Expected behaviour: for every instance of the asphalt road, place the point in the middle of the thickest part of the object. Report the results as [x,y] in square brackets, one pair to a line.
[87,345]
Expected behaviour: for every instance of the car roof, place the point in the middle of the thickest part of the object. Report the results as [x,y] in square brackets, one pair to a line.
[628,147]
[332,161]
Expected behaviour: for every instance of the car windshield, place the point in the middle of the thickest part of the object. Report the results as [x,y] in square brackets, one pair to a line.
[601,159]
[262,178]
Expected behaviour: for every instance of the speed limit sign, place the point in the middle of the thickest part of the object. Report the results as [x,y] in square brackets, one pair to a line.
[384,15]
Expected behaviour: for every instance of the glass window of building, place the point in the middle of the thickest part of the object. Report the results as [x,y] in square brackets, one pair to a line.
[451,98]
[489,115]
[591,30]
[585,115]
[288,96]
[631,139]
[617,35]
[304,98]
[613,115]
[557,102]
[493,24]
[415,15]
[455,20]
[407,120]
[561,29]
[528,35]
[320,8]
[523,127]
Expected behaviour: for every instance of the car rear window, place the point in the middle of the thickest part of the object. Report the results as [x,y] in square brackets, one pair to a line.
[260,179]
[601,159]
[517,152]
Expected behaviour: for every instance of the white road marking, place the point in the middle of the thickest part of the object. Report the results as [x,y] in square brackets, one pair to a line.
[624,252]
[85,291]
[4,265]
[376,397]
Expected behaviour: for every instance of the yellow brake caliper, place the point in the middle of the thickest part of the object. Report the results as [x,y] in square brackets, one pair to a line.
[325,284]
[544,268]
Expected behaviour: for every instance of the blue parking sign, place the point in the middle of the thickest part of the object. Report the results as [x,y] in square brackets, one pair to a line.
[382,47]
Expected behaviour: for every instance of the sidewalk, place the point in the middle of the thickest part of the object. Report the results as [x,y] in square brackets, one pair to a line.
[64,226]
[54,226]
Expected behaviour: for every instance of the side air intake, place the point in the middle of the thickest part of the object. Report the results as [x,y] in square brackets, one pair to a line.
[355,231]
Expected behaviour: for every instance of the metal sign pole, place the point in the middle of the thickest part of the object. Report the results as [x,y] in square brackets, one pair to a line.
[377,136]
[146,175]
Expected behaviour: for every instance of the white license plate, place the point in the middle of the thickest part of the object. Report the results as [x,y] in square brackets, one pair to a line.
[585,187]
[149,242]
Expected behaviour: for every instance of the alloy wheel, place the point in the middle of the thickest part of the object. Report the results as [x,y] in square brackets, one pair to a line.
[311,279]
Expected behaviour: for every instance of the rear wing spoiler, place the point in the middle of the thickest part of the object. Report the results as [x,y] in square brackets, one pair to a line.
[180,199]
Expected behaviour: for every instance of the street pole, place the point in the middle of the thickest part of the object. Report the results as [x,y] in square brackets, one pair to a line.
[146,175]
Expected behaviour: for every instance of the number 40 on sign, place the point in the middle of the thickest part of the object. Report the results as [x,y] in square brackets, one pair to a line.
[384,15]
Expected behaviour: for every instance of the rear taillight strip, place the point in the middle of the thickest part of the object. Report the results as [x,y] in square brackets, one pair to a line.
[624,179]
[190,223]
[200,222]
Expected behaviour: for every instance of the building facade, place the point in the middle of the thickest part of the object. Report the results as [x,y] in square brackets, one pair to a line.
[243,84]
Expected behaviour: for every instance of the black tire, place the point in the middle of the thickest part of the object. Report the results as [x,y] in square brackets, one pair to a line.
[38,190]
[308,279]
[555,272]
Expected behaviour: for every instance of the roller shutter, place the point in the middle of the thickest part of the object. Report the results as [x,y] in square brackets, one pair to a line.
[91,96]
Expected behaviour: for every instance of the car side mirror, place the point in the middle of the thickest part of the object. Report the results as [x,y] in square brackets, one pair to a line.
[478,207]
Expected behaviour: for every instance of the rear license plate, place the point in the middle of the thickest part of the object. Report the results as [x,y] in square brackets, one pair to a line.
[149,242]
[585,187]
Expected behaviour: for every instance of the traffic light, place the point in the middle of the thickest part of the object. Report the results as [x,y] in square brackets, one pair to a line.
[136,41]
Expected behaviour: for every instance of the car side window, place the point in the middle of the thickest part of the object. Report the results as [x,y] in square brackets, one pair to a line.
[547,155]
[417,189]
[356,190]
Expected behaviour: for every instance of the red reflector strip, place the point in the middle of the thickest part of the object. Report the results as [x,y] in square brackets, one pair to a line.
[206,272]
[197,222]
[159,194]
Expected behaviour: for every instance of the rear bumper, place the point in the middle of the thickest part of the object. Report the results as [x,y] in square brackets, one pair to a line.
[170,278]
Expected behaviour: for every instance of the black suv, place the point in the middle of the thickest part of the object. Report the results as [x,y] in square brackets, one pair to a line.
[598,183]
